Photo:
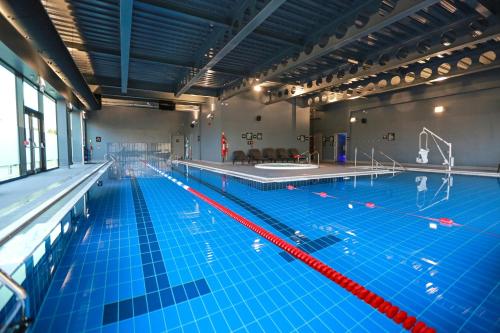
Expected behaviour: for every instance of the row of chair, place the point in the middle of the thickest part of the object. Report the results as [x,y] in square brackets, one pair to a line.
[268,154]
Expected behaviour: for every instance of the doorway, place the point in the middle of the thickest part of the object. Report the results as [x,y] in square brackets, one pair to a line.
[34,141]
[178,146]
[340,147]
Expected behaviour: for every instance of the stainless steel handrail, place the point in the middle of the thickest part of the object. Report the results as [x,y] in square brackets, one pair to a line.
[393,160]
[21,297]
[374,160]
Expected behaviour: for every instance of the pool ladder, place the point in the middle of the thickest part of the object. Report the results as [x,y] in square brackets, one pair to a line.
[19,308]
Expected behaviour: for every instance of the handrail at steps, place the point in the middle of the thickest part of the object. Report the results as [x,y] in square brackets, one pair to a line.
[393,160]
[21,297]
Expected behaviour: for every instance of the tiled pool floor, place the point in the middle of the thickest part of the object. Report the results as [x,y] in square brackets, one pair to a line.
[154,258]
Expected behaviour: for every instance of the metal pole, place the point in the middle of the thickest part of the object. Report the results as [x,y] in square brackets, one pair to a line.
[373,151]
[355,157]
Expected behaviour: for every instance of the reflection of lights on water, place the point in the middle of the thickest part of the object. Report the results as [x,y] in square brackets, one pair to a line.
[350,206]
[416,266]
[430,288]
[433,226]
[432,262]
[350,233]
[210,252]
[67,277]
[257,245]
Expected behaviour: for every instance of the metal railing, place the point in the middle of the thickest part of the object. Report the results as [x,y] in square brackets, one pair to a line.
[308,155]
[375,164]
[20,307]
[394,162]
[6,279]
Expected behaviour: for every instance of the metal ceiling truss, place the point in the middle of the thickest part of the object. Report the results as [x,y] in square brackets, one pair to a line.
[106,81]
[244,14]
[144,57]
[322,32]
[419,50]
[225,23]
[482,58]
[126,7]
[363,26]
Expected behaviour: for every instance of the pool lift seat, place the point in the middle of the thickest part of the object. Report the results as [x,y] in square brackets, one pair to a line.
[423,151]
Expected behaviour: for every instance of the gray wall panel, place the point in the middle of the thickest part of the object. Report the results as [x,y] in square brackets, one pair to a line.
[132,125]
[471,120]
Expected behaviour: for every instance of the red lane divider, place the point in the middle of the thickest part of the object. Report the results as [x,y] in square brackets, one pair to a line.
[377,302]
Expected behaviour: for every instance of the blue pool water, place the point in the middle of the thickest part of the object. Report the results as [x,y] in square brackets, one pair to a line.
[153,257]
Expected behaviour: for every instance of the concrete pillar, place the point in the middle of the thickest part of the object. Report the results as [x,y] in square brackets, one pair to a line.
[20,123]
[63,147]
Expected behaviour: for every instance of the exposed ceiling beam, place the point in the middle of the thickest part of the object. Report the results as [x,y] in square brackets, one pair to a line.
[247,29]
[370,86]
[375,22]
[431,36]
[323,30]
[137,94]
[204,17]
[105,81]
[438,49]
[144,57]
[126,7]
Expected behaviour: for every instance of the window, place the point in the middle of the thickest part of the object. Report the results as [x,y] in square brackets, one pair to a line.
[50,126]
[9,141]
[30,96]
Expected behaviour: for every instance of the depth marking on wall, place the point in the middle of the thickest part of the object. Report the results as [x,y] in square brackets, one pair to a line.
[393,312]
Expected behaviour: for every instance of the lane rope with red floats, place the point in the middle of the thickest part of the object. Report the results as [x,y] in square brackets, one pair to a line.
[385,307]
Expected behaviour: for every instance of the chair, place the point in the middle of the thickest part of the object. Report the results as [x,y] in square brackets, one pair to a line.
[282,155]
[239,156]
[269,154]
[254,155]
[295,155]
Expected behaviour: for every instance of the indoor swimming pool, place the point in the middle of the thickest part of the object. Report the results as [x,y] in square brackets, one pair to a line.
[153,256]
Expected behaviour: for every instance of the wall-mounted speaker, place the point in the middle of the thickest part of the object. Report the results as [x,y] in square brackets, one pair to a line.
[258,118]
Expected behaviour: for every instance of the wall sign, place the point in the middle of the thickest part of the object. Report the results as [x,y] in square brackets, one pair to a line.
[249,136]
[243,135]
[98,139]
[391,136]
[259,136]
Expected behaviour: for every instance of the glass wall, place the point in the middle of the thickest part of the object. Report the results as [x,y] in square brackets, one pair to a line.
[9,146]
[50,126]
[30,96]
